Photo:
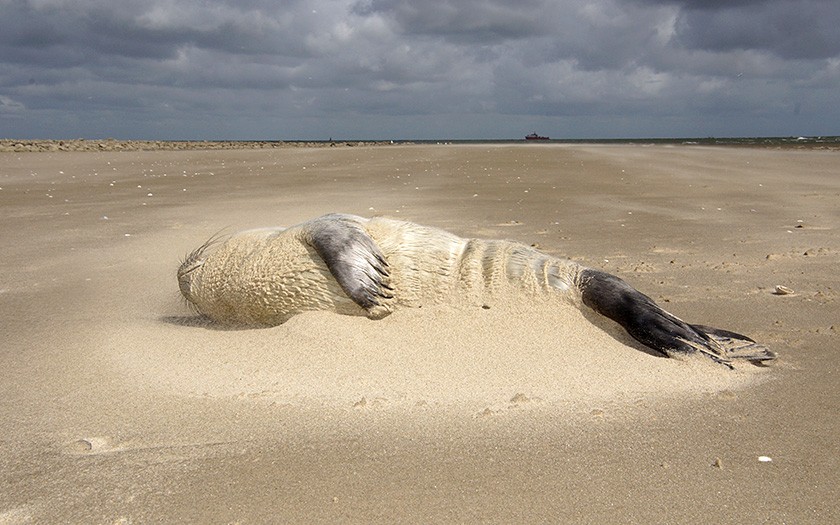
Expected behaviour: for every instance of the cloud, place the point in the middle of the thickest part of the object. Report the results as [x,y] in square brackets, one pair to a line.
[463,21]
[792,29]
[207,68]
[10,107]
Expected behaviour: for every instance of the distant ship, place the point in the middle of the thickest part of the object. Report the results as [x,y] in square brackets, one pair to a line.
[534,136]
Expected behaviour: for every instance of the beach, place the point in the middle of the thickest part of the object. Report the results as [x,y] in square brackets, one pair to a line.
[117,405]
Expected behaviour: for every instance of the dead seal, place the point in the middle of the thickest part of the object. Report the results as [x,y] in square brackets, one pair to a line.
[358,266]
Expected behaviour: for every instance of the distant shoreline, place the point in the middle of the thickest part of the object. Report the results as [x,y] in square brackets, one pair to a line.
[22,146]
[38,145]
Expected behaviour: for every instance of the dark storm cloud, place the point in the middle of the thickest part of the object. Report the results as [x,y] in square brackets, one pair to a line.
[87,30]
[310,67]
[59,35]
[789,29]
[478,21]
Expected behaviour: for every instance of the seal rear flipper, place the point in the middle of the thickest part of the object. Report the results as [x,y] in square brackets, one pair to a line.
[652,326]
[352,257]
[737,346]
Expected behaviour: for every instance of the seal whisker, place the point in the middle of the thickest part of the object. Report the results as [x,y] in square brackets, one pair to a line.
[196,254]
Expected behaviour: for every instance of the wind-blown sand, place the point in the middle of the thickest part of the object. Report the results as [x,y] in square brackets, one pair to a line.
[118,406]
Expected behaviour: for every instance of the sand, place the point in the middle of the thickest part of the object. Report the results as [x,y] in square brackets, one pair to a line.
[118,406]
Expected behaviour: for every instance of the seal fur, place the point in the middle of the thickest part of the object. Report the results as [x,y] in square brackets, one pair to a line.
[358,266]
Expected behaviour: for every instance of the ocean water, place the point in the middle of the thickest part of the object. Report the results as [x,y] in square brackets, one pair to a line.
[830,141]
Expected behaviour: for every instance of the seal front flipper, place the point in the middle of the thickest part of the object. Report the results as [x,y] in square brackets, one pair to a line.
[353,258]
[652,326]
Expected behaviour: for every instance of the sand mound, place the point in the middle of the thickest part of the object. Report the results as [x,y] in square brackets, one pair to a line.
[462,358]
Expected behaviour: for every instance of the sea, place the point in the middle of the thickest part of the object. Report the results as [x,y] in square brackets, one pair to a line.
[832,142]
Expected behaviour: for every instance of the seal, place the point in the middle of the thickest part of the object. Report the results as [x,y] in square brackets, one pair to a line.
[359,266]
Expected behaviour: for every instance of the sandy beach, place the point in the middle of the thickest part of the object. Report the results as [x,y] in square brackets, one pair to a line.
[118,406]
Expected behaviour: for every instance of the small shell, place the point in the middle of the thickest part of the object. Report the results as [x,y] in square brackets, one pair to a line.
[782,290]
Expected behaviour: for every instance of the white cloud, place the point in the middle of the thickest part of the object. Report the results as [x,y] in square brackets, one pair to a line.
[9,106]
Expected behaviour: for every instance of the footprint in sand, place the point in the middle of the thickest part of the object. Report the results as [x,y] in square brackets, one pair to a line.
[517,401]
[93,445]
[521,399]
[365,404]
[487,412]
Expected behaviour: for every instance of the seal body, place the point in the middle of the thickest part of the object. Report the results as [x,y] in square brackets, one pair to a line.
[265,276]
[359,266]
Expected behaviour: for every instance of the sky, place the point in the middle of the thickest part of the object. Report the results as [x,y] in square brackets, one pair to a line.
[418,69]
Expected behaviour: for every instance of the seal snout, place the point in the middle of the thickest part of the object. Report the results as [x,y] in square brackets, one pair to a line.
[185,276]
[192,262]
